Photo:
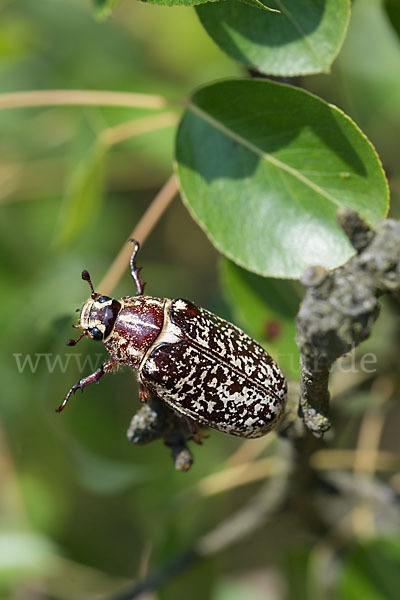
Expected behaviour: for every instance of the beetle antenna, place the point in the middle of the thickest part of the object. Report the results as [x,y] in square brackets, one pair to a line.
[86,277]
[135,271]
[74,342]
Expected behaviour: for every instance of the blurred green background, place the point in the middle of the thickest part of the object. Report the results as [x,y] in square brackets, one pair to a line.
[82,512]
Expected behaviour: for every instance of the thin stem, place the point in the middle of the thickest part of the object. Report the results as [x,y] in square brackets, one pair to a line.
[81,97]
[367,455]
[249,450]
[240,475]
[347,459]
[106,139]
[114,135]
[140,233]
[157,579]
[367,452]
[247,519]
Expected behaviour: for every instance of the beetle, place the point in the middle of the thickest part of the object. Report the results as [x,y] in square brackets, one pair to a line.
[203,367]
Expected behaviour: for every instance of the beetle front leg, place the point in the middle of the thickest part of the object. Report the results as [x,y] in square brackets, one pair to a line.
[92,378]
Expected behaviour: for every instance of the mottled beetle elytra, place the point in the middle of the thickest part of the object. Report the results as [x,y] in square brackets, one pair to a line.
[206,369]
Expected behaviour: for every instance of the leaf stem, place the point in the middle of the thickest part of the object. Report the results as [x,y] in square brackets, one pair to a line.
[114,135]
[240,475]
[140,233]
[81,97]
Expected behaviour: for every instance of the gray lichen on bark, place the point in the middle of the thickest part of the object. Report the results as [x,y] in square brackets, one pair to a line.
[340,308]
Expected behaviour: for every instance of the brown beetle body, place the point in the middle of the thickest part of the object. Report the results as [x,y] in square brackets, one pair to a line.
[205,368]
[212,372]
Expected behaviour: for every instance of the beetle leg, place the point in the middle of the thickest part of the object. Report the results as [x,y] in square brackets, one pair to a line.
[92,378]
[143,394]
[194,430]
[135,271]
[192,425]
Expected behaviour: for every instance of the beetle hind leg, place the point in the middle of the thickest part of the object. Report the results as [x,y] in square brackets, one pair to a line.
[193,427]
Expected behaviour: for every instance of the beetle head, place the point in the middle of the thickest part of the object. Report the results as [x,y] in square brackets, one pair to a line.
[98,315]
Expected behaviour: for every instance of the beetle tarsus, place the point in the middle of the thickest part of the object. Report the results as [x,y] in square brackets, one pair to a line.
[92,378]
[74,342]
[135,271]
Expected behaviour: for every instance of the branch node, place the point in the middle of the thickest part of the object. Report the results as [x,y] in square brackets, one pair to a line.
[314,276]
[357,230]
[340,308]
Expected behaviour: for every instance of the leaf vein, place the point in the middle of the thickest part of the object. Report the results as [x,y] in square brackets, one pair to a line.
[264,155]
[285,11]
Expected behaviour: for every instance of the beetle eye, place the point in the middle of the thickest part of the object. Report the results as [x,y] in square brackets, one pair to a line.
[102,299]
[95,333]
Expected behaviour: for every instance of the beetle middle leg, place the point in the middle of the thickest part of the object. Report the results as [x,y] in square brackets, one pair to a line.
[135,271]
[194,430]
[92,378]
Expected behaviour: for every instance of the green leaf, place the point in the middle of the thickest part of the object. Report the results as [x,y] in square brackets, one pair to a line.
[371,571]
[233,589]
[23,554]
[103,475]
[266,310]
[304,38]
[253,3]
[392,8]
[177,2]
[83,194]
[259,4]
[264,167]
[295,564]
[104,8]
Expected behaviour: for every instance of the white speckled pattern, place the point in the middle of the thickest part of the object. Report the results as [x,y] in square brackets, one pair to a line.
[212,372]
